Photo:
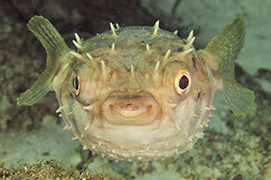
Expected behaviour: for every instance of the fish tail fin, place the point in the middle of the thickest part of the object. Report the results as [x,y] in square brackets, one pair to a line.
[226,45]
[55,47]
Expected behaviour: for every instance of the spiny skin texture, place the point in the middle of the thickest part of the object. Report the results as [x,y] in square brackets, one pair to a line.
[100,116]
[138,93]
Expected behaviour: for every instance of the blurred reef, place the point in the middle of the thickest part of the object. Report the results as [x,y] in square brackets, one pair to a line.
[46,170]
[32,142]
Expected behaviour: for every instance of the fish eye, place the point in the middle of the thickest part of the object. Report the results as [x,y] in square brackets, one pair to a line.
[76,84]
[182,81]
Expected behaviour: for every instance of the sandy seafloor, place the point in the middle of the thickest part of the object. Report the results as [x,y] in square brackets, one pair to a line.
[232,148]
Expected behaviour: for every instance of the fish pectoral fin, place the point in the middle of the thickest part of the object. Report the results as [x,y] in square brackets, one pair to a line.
[49,37]
[226,46]
[238,97]
[55,47]
[38,90]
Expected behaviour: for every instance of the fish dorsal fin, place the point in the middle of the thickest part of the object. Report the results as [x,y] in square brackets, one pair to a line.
[226,46]
[55,47]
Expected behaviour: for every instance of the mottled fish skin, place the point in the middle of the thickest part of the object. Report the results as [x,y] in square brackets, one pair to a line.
[137,93]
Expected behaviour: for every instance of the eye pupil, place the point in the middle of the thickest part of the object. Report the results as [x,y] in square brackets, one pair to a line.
[184,82]
[75,82]
[76,85]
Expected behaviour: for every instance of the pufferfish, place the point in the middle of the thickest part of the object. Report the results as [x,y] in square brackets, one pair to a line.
[138,93]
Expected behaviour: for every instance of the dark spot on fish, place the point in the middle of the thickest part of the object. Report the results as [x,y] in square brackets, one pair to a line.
[194,61]
[180,49]
[198,97]
[45,154]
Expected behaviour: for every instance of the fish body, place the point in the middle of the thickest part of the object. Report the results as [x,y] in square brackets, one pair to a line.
[138,93]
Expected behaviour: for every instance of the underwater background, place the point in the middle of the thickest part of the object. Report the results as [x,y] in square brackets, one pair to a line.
[32,140]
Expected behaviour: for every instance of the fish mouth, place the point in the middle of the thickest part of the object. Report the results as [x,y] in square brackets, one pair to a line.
[131,110]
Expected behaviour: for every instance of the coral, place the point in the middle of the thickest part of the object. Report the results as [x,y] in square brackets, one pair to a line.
[46,170]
